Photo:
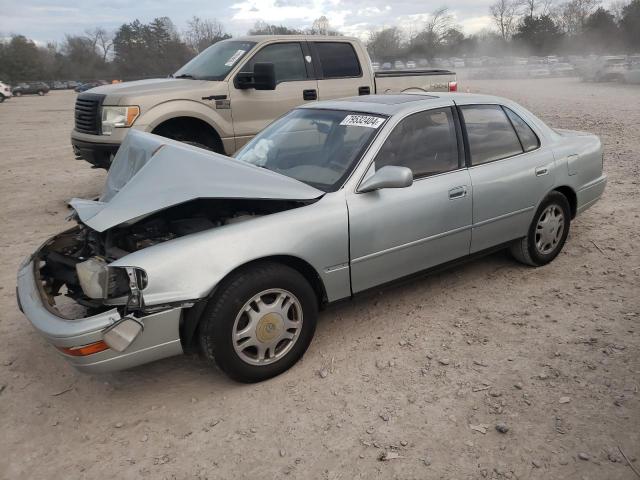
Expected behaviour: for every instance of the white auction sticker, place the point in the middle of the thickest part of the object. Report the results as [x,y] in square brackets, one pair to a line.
[234,58]
[362,121]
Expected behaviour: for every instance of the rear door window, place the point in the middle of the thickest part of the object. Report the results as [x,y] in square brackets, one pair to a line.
[527,136]
[337,60]
[490,133]
[287,59]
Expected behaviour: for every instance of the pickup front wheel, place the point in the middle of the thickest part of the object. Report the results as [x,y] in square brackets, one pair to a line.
[260,322]
[547,233]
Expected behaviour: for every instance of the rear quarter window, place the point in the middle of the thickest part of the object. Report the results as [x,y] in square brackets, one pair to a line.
[527,136]
[338,60]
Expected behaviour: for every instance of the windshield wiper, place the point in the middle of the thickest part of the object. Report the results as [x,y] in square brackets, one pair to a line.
[185,75]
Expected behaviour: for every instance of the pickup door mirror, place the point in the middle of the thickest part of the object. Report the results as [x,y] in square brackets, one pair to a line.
[391,176]
[263,77]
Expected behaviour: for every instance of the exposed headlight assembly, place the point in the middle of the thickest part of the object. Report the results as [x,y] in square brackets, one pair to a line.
[118,117]
[99,281]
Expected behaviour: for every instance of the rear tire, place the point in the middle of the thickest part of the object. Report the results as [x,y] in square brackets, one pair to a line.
[260,322]
[547,233]
[2,97]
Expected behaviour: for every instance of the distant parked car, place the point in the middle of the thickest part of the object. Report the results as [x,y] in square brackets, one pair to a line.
[72,84]
[386,66]
[411,64]
[423,62]
[31,88]
[398,65]
[375,66]
[539,72]
[562,70]
[5,92]
[89,85]
[58,85]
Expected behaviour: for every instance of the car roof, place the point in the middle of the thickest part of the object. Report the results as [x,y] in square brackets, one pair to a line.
[392,104]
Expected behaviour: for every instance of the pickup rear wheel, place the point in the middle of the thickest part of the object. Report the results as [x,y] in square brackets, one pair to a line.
[260,322]
[547,233]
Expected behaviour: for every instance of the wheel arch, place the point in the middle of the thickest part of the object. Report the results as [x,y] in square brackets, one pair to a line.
[571,197]
[192,317]
[191,124]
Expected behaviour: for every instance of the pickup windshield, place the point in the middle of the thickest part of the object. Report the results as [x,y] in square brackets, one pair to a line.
[216,61]
[317,147]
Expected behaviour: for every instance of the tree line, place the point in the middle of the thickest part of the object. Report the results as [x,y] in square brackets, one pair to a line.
[521,28]
[142,50]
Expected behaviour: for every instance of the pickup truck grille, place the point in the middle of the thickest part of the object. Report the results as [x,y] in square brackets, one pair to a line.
[87,113]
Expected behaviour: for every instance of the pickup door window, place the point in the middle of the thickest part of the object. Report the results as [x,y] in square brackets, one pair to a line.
[255,109]
[399,231]
[509,173]
[339,71]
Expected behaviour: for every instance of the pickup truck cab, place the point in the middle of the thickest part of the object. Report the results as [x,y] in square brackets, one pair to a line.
[232,90]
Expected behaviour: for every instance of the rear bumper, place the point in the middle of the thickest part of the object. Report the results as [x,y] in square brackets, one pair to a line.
[97,154]
[591,193]
[159,339]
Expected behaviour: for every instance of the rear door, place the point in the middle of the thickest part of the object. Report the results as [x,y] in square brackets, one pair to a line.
[399,231]
[252,110]
[511,171]
[339,71]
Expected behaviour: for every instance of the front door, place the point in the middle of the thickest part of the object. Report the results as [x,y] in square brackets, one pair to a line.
[252,110]
[397,232]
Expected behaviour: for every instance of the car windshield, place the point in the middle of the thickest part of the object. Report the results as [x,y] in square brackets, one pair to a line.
[318,147]
[216,61]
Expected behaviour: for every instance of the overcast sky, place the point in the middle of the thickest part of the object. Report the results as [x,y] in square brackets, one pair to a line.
[47,20]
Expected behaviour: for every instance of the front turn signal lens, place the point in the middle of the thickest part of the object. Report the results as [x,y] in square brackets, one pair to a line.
[85,350]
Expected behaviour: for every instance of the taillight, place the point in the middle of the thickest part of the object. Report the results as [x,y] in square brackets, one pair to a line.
[453,86]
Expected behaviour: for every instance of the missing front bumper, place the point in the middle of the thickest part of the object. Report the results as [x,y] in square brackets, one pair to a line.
[160,339]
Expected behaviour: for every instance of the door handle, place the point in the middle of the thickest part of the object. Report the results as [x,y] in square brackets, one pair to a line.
[458,192]
[366,90]
[540,171]
[310,94]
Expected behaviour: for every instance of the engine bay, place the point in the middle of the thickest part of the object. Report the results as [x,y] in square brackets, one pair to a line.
[59,259]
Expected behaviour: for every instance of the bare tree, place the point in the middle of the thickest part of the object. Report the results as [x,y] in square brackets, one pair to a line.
[384,45]
[101,40]
[571,15]
[202,33]
[505,15]
[321,26]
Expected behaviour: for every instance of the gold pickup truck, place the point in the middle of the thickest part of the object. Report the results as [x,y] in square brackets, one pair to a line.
[232,90]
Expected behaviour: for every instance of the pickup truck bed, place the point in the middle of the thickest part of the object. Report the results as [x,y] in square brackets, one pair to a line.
[428,80]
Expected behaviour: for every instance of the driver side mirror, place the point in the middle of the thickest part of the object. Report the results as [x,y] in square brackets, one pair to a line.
[391,176]
[263,77]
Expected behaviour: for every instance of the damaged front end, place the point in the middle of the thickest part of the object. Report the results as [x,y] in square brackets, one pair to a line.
[83,294]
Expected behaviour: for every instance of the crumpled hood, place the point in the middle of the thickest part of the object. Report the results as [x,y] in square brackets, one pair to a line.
[150,173]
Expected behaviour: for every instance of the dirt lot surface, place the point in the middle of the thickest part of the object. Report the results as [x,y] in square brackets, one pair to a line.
[421,373]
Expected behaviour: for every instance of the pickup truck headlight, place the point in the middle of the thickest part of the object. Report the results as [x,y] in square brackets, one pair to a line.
[118,117]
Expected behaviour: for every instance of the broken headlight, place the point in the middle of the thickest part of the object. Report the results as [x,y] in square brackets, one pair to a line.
[99,281]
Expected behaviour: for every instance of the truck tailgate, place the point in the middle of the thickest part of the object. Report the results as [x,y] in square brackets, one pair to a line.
[396,81]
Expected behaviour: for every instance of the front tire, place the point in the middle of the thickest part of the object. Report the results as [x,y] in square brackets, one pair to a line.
[260,322]
[41,93]
[547,233]
[18,94]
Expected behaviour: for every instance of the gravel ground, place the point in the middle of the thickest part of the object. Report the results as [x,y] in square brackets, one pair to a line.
[489,370]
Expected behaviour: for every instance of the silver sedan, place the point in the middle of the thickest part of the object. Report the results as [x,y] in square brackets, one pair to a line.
[187,249]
